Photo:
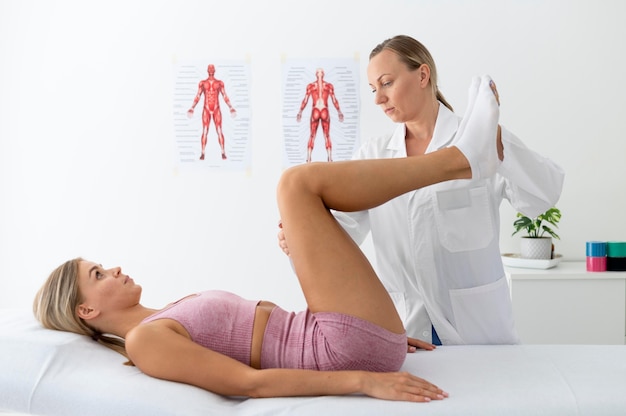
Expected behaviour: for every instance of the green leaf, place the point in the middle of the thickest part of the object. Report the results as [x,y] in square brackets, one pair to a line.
[535,227]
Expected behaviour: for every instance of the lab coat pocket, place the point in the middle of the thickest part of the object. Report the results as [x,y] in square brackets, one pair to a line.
[463,218]
[484,314]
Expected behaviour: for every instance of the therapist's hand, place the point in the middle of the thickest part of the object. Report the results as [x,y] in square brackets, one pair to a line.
[415,344]
[499,143]
[282,243]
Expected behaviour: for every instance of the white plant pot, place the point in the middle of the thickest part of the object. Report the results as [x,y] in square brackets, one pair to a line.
[536,248]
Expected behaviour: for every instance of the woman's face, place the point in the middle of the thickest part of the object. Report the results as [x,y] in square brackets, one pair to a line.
[105,290]
[399,92]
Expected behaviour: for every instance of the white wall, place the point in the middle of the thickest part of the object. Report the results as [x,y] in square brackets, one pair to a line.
[86,137]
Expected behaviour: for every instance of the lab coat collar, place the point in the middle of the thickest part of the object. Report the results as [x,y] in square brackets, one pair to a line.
[445,127]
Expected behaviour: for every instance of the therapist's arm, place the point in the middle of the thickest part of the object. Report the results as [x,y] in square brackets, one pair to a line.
[533,182]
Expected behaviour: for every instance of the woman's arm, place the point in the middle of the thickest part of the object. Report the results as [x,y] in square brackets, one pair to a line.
[389,386]
[161,352]
[415,343]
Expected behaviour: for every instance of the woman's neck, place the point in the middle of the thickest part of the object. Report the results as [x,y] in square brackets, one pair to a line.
[419,132]
[119,323]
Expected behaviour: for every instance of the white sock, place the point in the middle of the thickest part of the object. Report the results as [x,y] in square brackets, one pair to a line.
[477,140]
[471,99]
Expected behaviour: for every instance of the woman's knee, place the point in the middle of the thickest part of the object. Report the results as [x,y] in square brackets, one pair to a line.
[296,180]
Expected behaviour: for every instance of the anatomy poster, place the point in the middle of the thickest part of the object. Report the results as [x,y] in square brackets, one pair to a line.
[320,109]
[212,114]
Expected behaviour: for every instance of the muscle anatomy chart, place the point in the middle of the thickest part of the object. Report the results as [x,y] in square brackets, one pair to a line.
[212,113]
[320,110]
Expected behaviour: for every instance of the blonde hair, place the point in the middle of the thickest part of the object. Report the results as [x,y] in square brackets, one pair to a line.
[56,302]
[413,54]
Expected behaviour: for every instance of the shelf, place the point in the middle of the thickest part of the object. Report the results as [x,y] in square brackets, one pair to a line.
[565,270]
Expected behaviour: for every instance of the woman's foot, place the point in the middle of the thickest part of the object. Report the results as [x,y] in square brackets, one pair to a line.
[471,99]
[477,134]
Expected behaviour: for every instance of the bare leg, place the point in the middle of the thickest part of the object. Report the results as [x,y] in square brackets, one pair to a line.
[334,274]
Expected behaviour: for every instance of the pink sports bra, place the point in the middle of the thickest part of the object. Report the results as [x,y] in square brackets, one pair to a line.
[219,320]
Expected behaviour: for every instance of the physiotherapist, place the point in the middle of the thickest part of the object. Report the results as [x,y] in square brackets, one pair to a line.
[437,248]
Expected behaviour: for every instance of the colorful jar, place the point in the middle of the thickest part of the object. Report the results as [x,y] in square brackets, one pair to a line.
[596,256]
[616,256]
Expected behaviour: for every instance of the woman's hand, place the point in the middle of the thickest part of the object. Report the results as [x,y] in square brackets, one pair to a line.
[401,386]
[414,344]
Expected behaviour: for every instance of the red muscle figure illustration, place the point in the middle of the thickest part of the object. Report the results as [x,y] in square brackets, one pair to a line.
[319,91]
[211,88]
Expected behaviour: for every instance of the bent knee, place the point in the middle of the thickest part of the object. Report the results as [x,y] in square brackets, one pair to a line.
[297,180]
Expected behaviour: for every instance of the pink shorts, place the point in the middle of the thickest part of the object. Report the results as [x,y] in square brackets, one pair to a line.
[330,341]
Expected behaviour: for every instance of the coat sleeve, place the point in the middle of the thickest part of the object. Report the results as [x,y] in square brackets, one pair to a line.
[532,182]
[356,224]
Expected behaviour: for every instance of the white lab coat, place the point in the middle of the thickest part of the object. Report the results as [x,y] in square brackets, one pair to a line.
[437,248]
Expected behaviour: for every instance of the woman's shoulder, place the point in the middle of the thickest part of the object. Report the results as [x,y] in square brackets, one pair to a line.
[151,344]
[146,333]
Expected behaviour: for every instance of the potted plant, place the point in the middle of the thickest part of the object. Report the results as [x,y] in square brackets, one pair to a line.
[537,245]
